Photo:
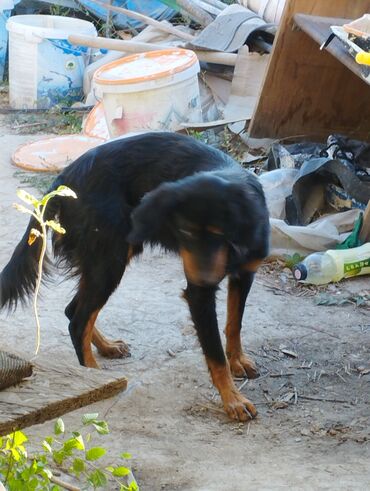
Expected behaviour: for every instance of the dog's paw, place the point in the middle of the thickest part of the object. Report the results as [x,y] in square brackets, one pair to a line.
[241,366]
[239,408]
[115,349]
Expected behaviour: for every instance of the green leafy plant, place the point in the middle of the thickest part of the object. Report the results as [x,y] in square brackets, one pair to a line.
[71,455]
[291,261]
[37,210]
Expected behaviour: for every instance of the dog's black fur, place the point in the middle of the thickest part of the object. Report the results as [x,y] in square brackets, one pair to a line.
[165,189]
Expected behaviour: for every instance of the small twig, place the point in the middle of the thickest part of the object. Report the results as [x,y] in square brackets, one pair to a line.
[27,125]
[322,331]
[323,399]
[64,484]
[278,375]
[243,384]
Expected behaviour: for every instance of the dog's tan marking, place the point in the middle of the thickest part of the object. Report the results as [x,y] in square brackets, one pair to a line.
[89,360]
[240,364]
[252,266]
[197,275]
[214,230]
[236,406]
[190,267]
[107,348]
[130,253]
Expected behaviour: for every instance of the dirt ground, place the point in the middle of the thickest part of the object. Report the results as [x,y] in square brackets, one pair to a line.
[313,396]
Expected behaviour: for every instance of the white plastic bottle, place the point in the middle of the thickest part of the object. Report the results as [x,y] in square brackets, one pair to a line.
[333,265]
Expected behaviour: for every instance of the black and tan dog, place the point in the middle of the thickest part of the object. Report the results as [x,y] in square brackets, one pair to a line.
[165,189]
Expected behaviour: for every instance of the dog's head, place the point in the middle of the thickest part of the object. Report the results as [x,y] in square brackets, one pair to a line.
[215,224]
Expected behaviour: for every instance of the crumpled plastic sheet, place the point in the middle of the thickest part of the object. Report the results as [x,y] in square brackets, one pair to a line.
[320,235]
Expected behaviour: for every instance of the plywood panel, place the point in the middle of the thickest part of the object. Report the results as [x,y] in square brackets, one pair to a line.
[53,391]
[307,91]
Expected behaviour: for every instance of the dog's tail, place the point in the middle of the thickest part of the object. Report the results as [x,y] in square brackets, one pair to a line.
[18,278]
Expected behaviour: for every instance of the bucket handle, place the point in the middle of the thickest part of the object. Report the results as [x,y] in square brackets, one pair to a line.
[31,37]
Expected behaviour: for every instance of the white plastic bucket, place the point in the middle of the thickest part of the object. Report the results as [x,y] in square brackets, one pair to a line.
[157,90]
[44,68]
[270,10]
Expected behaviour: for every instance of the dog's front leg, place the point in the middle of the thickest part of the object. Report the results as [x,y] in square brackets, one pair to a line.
[240,364]
[202,304]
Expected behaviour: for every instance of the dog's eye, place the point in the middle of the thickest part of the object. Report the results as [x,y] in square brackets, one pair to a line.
[186,232]
[215,231]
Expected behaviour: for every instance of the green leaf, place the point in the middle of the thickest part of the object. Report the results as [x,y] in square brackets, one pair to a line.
[59,426]
[291,261]
[59,456]
[95,453]
[48,473]
[15,454]
[46,446]
[101,427]
[126,455]
[55,226]
[75,442]
[22,209]
[97,478]
[79,441]
[66,191]
[27,197]
[89,418]
[61,191]
[49,439]
[26,473]
[18,438]
[32,484]
[121,471]
[109,468]
[78,466]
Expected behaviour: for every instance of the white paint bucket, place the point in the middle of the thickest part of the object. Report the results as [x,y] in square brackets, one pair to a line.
[157,90]
[44,68]
[270,10]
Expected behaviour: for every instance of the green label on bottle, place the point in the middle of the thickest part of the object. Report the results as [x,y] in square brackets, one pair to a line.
[353,269]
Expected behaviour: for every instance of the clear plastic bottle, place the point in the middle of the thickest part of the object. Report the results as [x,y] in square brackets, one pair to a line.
[333,265]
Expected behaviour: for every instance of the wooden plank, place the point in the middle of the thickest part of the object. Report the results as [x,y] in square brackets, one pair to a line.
[307,91]
[140,47]
[53,391]
[318,28]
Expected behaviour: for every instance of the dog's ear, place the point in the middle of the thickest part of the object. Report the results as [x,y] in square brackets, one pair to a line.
[247,211]
[152,213]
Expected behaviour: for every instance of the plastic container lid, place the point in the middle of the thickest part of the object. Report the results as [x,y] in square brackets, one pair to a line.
[49,26]
[52,154]
[144,68]
[300,272]
[95,124]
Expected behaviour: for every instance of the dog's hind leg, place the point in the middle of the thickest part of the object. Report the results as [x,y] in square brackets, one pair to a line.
[240,364]
[105,347]
[95,287]
[202,306]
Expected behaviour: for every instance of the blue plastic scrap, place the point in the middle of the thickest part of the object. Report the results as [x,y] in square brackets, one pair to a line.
[152,8]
